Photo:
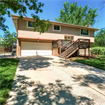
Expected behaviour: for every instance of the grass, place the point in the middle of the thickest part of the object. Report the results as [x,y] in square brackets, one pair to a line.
[101,56]
[97,62]
[7,73]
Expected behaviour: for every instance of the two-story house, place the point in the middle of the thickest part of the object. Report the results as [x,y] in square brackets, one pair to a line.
[32,43]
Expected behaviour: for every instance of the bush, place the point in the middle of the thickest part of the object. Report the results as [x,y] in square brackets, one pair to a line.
[98,50]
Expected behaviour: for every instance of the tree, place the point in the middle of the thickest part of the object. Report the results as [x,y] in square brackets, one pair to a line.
[9,39]
[21,7]
[78,15]
[100,38]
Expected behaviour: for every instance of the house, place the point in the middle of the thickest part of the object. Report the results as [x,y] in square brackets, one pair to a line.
[54,41]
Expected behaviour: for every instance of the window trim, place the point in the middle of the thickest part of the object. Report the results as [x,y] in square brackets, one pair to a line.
[83,34]
[56,30]
[28,26]
[69,36]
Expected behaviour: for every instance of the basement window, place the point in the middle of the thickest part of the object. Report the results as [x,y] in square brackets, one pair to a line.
[56,28]
[84,32]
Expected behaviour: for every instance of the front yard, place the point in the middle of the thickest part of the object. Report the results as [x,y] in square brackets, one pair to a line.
[95,62]
[7,72]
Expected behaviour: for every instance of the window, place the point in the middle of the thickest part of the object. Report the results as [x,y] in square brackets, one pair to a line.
[56,28]
[29,24]
[67,38]
[84,32]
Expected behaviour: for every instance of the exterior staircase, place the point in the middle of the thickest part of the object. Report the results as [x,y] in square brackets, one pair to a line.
[70,48]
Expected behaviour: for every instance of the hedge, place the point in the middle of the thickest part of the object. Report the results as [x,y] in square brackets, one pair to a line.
[98,50]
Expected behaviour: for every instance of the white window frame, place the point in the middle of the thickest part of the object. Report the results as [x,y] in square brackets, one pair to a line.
[27,25]
[83,34]
[56,30]
[69,36]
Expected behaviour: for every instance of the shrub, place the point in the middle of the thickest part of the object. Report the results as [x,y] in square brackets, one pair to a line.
[98,50]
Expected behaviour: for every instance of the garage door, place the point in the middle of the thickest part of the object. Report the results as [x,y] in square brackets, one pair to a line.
[31,49]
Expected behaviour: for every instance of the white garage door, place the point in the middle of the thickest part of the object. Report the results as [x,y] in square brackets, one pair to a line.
[31,49]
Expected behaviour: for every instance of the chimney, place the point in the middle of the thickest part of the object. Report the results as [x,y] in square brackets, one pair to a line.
[89,26]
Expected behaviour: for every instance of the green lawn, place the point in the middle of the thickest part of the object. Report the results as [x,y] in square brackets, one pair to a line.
[97,62]
[102,56]
[7,73]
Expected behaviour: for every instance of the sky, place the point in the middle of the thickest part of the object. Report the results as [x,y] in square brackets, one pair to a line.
[51,10]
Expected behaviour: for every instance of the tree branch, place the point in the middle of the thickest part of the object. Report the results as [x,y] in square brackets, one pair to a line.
[12,4]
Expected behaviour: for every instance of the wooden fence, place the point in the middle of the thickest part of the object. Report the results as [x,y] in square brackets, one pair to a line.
[1,49]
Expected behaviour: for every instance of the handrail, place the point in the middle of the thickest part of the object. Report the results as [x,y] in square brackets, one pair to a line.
[71,48]
[66,44]
[73,43]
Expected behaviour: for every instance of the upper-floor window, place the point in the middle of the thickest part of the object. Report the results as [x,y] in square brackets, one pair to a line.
[29,24]
[84,32]
[56,28]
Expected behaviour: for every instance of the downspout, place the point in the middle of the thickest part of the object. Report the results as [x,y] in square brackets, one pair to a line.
[17,47]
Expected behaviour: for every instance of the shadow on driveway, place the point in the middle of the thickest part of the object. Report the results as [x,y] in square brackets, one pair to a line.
[34,62]
[86,80]
[95,77]
[31,92]
[83,66]
[26,91]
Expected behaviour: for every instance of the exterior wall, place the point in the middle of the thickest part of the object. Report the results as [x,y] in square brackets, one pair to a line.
[91,38]
[36,35]
[82,52]
[24,32]
[19,47]
[38,41]
[55,51]
[16,24]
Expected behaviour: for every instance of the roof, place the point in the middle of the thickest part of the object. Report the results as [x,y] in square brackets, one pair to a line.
[56,23]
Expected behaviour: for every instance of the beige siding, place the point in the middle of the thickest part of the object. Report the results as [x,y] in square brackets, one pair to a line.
[91,33]
[25,32]
[82,52]
[16,24]
[64,29]
[55,51]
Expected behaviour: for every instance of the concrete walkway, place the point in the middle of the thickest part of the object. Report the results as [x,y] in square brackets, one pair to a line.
[50,80]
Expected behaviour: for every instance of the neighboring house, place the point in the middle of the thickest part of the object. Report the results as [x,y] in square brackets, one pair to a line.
[32,43]
[1,39]
[1,46]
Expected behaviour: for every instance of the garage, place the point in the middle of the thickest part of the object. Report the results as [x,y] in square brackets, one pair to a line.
[33,48]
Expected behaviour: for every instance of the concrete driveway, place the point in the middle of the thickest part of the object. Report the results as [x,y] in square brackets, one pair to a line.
[49,80]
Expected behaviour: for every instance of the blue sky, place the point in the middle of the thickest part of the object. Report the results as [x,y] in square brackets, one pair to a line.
[52,8]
